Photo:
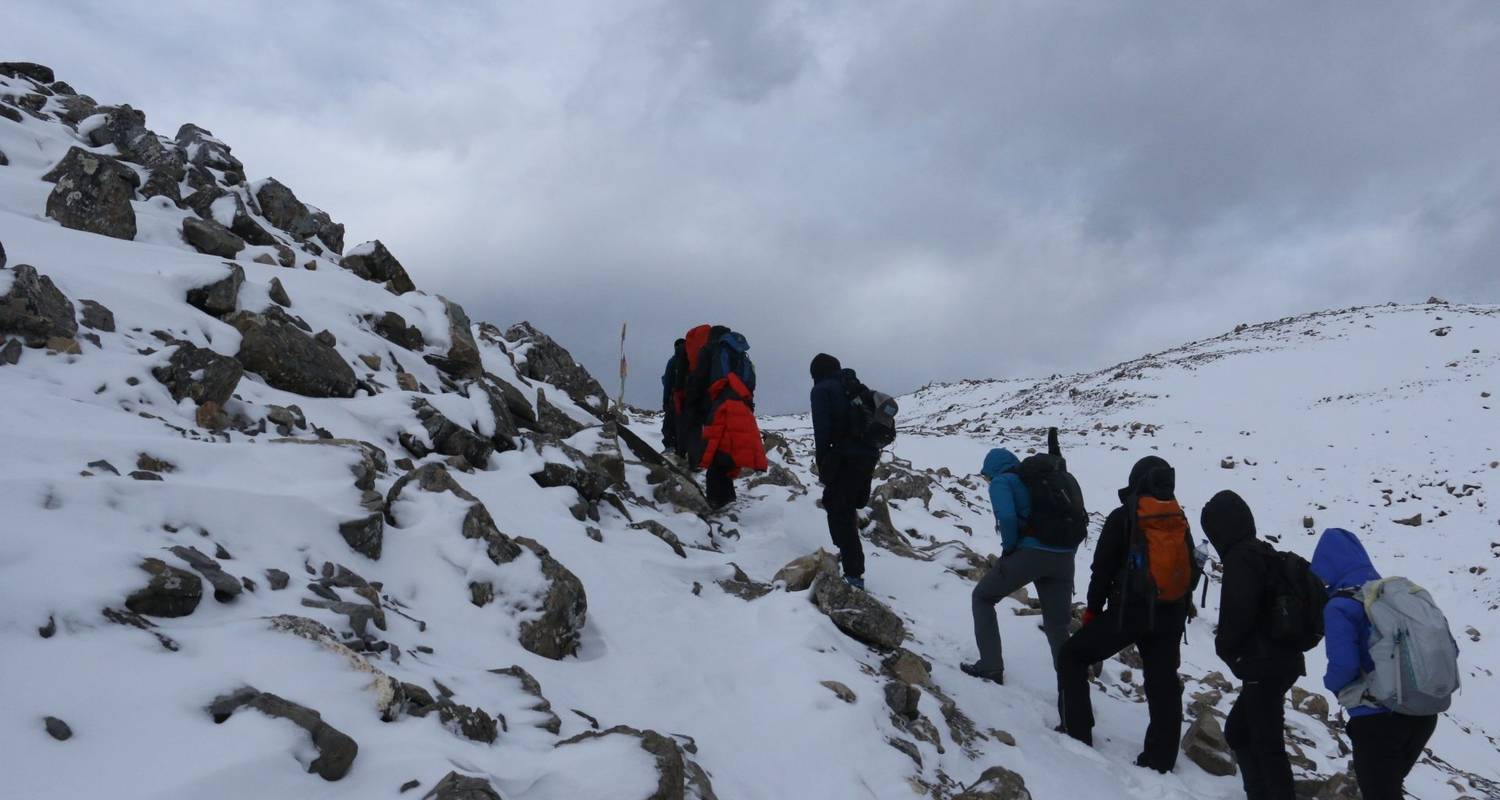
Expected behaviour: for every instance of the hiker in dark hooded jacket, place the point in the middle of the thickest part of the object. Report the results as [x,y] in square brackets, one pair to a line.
[671,396]
[1023,560]
[1386,744]
[1120,612]
[846,465]
[1255,728]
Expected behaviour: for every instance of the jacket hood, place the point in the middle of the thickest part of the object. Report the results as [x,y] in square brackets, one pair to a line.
[735,341]
[824,366]
[1152,476]
[1341,562]
[1227,521]
[999,461]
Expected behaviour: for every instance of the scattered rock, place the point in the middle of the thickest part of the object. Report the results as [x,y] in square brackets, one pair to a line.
[553,420]
[743,586]
[35,308]
[678,777]
[1310,703]
[1227,463]
[10,352]
[840,690]
[220,297]
[454,786]
[858,614]
[93,194]
[171,592]
[373,262]
[530,685]
[903,699]
[365,535]
[207,236]
[199,374]
[665,534]
[57,729]
[393,328]
[226,586]
[274,347]
[1205,746]
[471,723]
[907,667]
[336,751]
[1414,521]
[280,206]
[798,575]
[462,359]
[97,317]
[451,439]
[278,579]
[996,783]
[144,475]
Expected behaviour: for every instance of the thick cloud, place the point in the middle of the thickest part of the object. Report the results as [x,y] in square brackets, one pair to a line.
[930,191]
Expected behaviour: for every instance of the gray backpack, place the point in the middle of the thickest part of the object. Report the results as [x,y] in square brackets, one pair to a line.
[1416,658]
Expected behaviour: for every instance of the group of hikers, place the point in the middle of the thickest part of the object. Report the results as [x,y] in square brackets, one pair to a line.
[1392,660]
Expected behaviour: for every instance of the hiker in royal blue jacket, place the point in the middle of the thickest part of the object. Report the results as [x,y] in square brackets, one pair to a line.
[1386,744]
[1023,560]
[846,465]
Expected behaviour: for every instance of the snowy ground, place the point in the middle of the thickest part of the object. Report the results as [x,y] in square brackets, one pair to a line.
[1355,418]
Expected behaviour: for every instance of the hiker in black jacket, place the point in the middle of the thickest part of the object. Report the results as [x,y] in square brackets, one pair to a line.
[846,465]
[1132,601]
[672,395]
[1254,729]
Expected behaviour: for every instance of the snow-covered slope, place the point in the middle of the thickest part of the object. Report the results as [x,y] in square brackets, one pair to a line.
[385,520]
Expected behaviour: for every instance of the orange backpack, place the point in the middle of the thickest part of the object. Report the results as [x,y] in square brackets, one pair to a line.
[1163,540]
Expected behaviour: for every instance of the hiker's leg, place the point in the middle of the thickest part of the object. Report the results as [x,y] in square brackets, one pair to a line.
[1377,743]
[1416,731]
[1092,643]
[843,525]
[1161,654]
[1055,590]
[1254,732]
[1006,576]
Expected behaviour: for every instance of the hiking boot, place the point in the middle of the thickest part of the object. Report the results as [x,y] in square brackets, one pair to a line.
[996,675]
[858,583]
[1142,761]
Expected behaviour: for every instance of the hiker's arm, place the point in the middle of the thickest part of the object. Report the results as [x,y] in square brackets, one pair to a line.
[1239,606]
[1007,519]
[1341,637]
[822,419]
[1108,557]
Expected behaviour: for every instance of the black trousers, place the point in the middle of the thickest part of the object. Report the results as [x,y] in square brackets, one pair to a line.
[1386,747]
[1159,643]
[846,489]
[1255,732]
[718,487]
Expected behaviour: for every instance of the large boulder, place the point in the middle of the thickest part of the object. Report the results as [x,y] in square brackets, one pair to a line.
[373,262]
[205,151]
[997,783]
[543,359]
[93,194]
[221,296]
[336,751]
[554,609]
[27,69]
[280,206]
[273,346]
[171,591]
[462,359]
[35,309]
[199,374]
[125,128]
[678,777]
[209,237]
[392,327]
[331,233]
[858,614]
[799,574]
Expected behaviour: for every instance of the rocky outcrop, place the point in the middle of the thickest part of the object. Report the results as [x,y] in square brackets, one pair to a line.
[451,439]
[27,69]
[199,374]
[858,614]
[206,152]
[221,296]
[171,591]
[997,783]
[373,262]
[543,359]
[93,194]
[125,128]
[678,777]
[96,316]
[462,359]
[280,206]
[35,309]
[553,420]
[553,618]
[274,347]
[454,786]
[393,328]
[336,750]
[207,236]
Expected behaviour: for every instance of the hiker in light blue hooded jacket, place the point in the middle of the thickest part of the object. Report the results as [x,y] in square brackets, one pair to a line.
[1386,744]
[1023,560]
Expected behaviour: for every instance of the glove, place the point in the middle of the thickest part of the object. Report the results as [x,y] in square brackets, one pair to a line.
[1089,615]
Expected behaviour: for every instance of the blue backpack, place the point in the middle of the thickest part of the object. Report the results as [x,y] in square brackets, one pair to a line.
[732,355]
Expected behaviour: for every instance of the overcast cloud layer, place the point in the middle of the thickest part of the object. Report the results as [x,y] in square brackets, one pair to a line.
[930,190]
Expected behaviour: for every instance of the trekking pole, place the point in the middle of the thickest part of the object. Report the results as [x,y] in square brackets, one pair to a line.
[624,370]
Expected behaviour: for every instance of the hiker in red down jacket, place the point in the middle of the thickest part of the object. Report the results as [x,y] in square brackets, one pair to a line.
[731,437]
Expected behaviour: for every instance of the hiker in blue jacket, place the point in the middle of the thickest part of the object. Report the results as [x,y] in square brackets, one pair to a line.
[1023,560]
[1386,744]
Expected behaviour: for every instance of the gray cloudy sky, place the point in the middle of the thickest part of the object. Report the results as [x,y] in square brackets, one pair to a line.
[928,190]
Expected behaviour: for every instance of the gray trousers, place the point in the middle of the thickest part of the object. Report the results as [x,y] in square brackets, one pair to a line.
[1050,573]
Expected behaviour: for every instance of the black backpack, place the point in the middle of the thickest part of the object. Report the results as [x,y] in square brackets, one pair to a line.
[1058,517]
[872,414]
[1294,613]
